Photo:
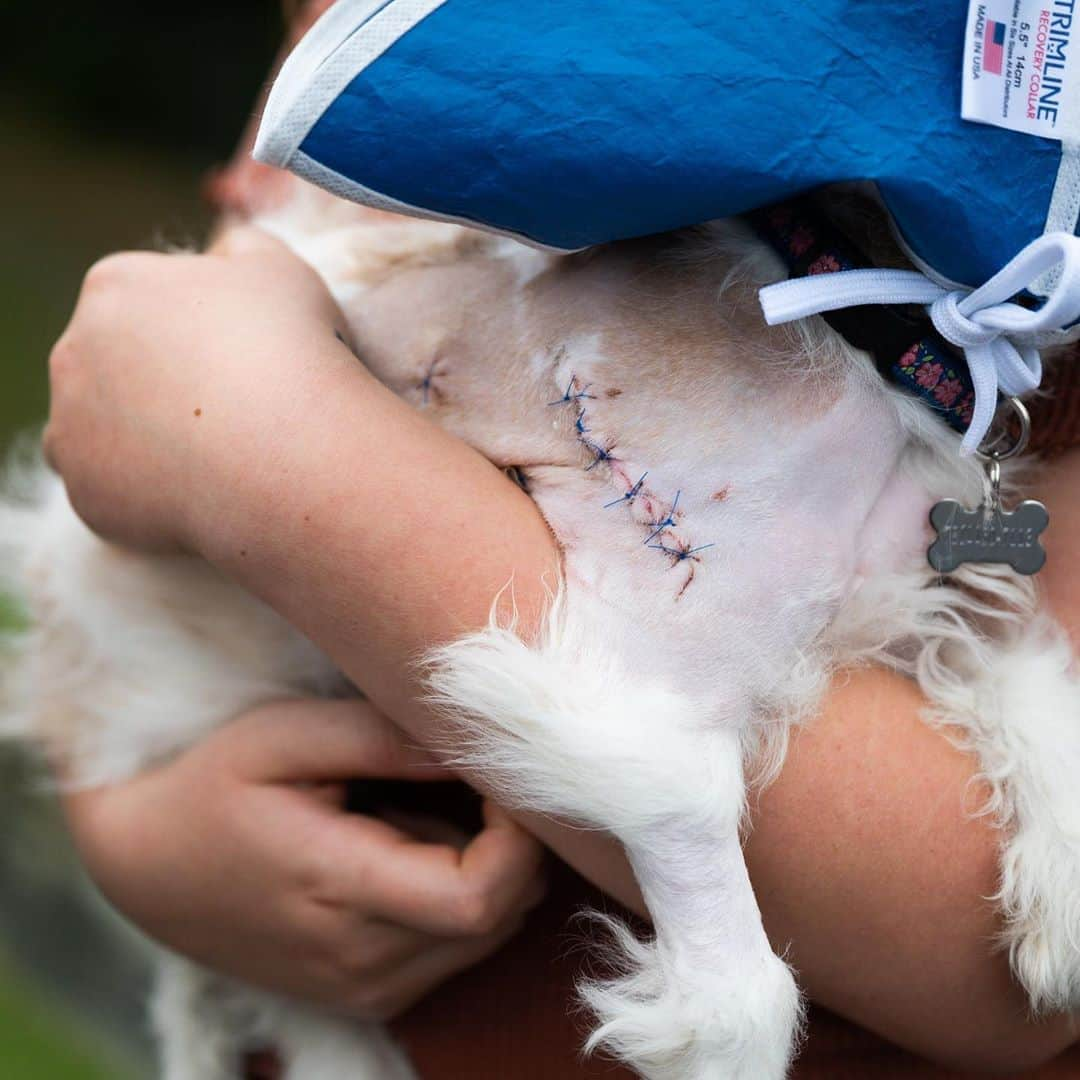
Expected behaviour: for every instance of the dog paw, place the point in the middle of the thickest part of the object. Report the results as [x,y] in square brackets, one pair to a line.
[671,1020]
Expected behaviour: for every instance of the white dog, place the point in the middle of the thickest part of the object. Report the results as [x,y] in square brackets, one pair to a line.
[741,511]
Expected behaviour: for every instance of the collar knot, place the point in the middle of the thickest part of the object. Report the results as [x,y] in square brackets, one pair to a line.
[999,337]
[953,325]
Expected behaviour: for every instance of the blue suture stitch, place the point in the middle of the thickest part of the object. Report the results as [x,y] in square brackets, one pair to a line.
[680,554]
[630,496]
[600,453]
[669,521]
[603,453]
[425,384]
[571,394]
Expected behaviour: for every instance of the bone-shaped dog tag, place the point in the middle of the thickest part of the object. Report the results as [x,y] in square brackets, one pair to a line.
[988,534]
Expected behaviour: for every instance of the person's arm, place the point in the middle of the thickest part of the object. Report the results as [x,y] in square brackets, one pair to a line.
[208,403]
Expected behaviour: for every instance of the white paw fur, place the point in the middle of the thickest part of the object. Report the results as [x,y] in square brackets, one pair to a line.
[677,1018]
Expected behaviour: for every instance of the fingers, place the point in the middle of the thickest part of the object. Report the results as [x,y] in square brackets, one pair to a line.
[327,793]
[377,970]
[435,888]
[400,987]
[367,950]
[307,740]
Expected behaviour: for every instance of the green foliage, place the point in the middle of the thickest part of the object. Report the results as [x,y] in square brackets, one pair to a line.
[39,1041]
[11,618]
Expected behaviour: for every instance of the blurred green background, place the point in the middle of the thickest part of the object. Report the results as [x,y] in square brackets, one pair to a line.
[110,114]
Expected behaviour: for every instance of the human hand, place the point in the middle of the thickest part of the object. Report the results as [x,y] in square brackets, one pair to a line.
[165,358]
[239,855]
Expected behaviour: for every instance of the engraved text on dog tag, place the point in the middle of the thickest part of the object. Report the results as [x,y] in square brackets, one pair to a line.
[988,534]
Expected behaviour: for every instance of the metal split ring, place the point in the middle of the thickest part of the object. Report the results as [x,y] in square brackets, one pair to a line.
[991,451]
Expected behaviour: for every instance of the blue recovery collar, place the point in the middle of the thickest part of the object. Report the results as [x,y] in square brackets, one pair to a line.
[569,124]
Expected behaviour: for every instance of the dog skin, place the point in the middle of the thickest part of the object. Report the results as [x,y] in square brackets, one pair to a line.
[689,462]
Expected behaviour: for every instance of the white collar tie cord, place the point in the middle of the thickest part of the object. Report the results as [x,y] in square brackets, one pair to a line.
[1000,338]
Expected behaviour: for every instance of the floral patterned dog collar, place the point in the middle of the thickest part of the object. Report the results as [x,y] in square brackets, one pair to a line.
[901,339]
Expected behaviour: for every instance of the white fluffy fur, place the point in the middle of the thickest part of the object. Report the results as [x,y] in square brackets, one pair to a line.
[203,1020]
[658,685]
[127,660]
[677,1019]
[553,729]
[1033,761]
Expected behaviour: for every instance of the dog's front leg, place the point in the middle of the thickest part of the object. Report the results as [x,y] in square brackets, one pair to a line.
[564,728]
[706,997]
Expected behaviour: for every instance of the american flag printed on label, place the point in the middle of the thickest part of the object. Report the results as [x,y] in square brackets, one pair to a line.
[994,47]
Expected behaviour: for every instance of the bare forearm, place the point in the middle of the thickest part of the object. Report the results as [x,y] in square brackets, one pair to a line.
[375,532]
[379,536]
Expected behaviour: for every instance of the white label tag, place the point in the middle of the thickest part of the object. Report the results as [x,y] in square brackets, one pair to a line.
[1019,68]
